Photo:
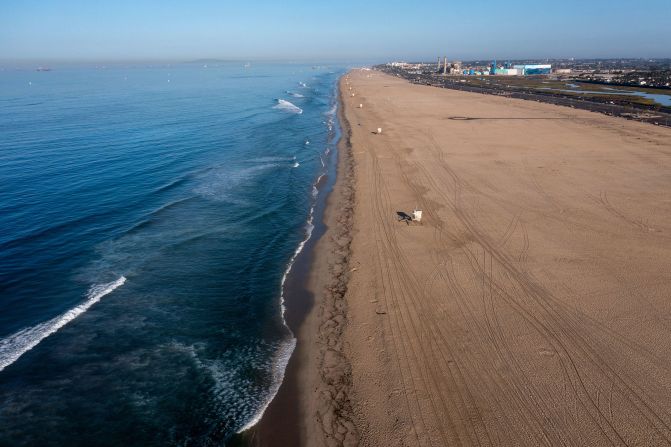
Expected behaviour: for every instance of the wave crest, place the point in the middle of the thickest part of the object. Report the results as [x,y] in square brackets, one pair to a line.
[288,107]
[17,344]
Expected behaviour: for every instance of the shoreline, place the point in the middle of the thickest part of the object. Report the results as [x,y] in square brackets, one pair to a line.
[309,281]
[450,331]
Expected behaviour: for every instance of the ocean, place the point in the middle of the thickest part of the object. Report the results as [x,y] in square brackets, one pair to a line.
[148,218]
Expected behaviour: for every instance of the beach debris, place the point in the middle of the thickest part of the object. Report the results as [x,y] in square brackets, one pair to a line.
[417,215]
[379,130]
[361,106]
[380,312]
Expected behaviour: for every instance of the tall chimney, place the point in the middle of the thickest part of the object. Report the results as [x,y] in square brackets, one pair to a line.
[445,66]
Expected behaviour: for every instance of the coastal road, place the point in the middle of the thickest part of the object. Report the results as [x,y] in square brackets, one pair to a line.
[532,304]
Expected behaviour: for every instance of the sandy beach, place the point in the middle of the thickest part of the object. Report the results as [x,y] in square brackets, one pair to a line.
[529,307]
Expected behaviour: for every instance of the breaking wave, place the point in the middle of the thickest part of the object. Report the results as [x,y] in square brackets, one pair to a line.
[288,107]
[279,367]
[17,344]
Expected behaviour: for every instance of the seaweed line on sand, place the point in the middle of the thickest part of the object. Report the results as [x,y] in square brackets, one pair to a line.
[334,410]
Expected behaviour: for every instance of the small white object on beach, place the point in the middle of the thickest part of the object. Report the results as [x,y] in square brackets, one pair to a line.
[361,106]
[379,130]
[417,215]
[352,94]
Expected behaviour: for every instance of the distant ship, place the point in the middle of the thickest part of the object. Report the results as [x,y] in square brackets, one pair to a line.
[43,69]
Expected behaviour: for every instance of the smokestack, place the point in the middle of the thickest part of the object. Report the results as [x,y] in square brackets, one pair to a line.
[445,66]
[439,64]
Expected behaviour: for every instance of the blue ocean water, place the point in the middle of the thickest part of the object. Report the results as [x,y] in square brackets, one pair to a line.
[148,216]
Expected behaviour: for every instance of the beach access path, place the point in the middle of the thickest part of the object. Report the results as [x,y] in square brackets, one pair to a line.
[532,304]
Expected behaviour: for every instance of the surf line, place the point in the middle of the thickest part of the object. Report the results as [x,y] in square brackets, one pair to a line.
[283,357]
[17,344]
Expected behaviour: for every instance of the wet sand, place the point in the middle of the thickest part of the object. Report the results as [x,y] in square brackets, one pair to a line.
[532,305]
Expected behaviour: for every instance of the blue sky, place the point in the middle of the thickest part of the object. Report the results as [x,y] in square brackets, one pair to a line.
[318,30]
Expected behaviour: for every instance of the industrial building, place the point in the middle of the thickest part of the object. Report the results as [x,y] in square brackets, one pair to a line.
[535,69]
[507,72]
[506,69]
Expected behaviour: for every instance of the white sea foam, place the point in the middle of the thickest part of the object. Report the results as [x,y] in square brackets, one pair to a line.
[294,94]
[267,160]
[278,161]
[220,184]
[17,344]
[288,107]
[315,190]
[279,367]
[285,352]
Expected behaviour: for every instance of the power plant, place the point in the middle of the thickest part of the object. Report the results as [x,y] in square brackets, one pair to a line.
[446,68]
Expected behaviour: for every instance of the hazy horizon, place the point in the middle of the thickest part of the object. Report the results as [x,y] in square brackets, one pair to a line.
[150,31]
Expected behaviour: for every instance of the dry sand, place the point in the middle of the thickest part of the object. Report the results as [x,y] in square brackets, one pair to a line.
[532,305]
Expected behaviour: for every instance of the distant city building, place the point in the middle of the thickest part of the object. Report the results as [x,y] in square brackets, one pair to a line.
[507,69]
